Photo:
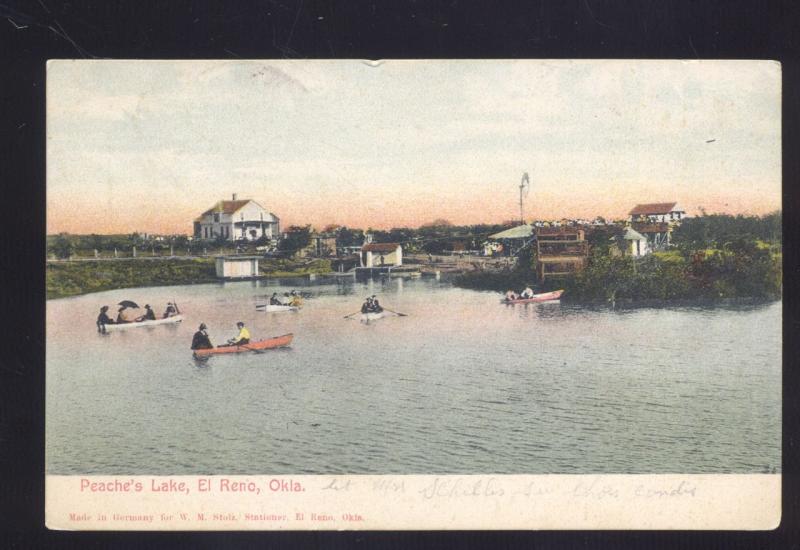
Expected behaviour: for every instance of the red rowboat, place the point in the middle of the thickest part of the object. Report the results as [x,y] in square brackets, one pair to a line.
[269,343]
[545,297]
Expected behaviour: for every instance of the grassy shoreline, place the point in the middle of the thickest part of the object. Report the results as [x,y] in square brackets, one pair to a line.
[66,279]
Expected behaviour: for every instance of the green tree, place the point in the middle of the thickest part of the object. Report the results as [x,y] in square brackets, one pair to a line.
[62,246]
[297,238]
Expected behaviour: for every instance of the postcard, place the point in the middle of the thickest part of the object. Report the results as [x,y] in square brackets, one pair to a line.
[410,294]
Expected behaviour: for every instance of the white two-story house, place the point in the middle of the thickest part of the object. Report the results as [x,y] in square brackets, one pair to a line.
[236,220]
[669,212]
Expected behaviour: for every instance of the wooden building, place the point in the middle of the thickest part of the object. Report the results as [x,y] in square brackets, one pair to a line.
[561,251]
[657,234]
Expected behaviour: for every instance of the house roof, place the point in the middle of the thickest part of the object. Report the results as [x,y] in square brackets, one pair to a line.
[661,227]
[548,231]
[380,247]
[518,232]
[226,207]
[633,235]
[653,208]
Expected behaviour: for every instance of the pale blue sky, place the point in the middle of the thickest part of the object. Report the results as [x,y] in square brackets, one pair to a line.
[147,145]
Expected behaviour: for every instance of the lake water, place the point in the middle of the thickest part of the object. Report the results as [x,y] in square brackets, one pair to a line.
[462,384]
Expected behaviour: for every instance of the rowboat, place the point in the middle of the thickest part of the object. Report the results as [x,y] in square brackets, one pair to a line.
[374,316]
[122,326]
[258,345]
[275,308]
[544,297]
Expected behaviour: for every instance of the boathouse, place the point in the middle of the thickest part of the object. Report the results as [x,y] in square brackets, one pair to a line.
[377,255]
[237,267]
[560,251]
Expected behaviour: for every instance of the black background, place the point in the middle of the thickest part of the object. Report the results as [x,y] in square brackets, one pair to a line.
[36,30]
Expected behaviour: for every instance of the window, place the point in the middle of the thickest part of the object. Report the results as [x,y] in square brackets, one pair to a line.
[216,218]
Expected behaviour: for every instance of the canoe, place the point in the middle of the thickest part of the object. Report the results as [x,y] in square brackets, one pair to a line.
[272,308]
[258,345]
[167,321]
[374,316]
[544,297]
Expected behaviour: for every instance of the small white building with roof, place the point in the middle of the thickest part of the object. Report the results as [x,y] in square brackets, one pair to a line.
[635,243]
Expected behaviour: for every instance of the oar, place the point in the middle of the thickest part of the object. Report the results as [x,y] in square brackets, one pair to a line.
[396,312]
[356,313]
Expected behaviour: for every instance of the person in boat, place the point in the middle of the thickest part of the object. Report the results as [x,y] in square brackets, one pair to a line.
[171,311]
[122,317]
[103,319]
[376,305]
[366,307]
[527,293]
[510,295]
[200,340]
[149,314]
[274,300]
[242,338]
[295,299]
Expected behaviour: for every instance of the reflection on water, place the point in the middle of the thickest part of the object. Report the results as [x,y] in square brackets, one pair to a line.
[463,384]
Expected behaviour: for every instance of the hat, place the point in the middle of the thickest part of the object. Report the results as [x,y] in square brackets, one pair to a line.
[202,326]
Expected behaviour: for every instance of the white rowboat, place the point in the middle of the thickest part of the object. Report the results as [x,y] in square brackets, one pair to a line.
[374,316]
[272,308]
[167,321]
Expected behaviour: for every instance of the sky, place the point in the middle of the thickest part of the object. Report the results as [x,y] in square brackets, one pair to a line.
[147,146]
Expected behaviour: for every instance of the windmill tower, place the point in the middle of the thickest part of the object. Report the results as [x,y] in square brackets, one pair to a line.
[524,188]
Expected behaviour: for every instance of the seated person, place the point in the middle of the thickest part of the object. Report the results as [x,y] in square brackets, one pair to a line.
[366,307]
[200,340]
[242,338]
[123,316]
[274,300]
[170,311]
[527,293]
[149,314]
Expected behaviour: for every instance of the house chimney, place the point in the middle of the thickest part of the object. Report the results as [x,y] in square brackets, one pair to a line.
[234,196]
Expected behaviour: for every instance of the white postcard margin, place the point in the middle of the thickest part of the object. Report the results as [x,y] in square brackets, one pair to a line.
[414,502]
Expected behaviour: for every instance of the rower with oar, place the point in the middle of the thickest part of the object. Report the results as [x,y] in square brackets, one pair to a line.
[372,305]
